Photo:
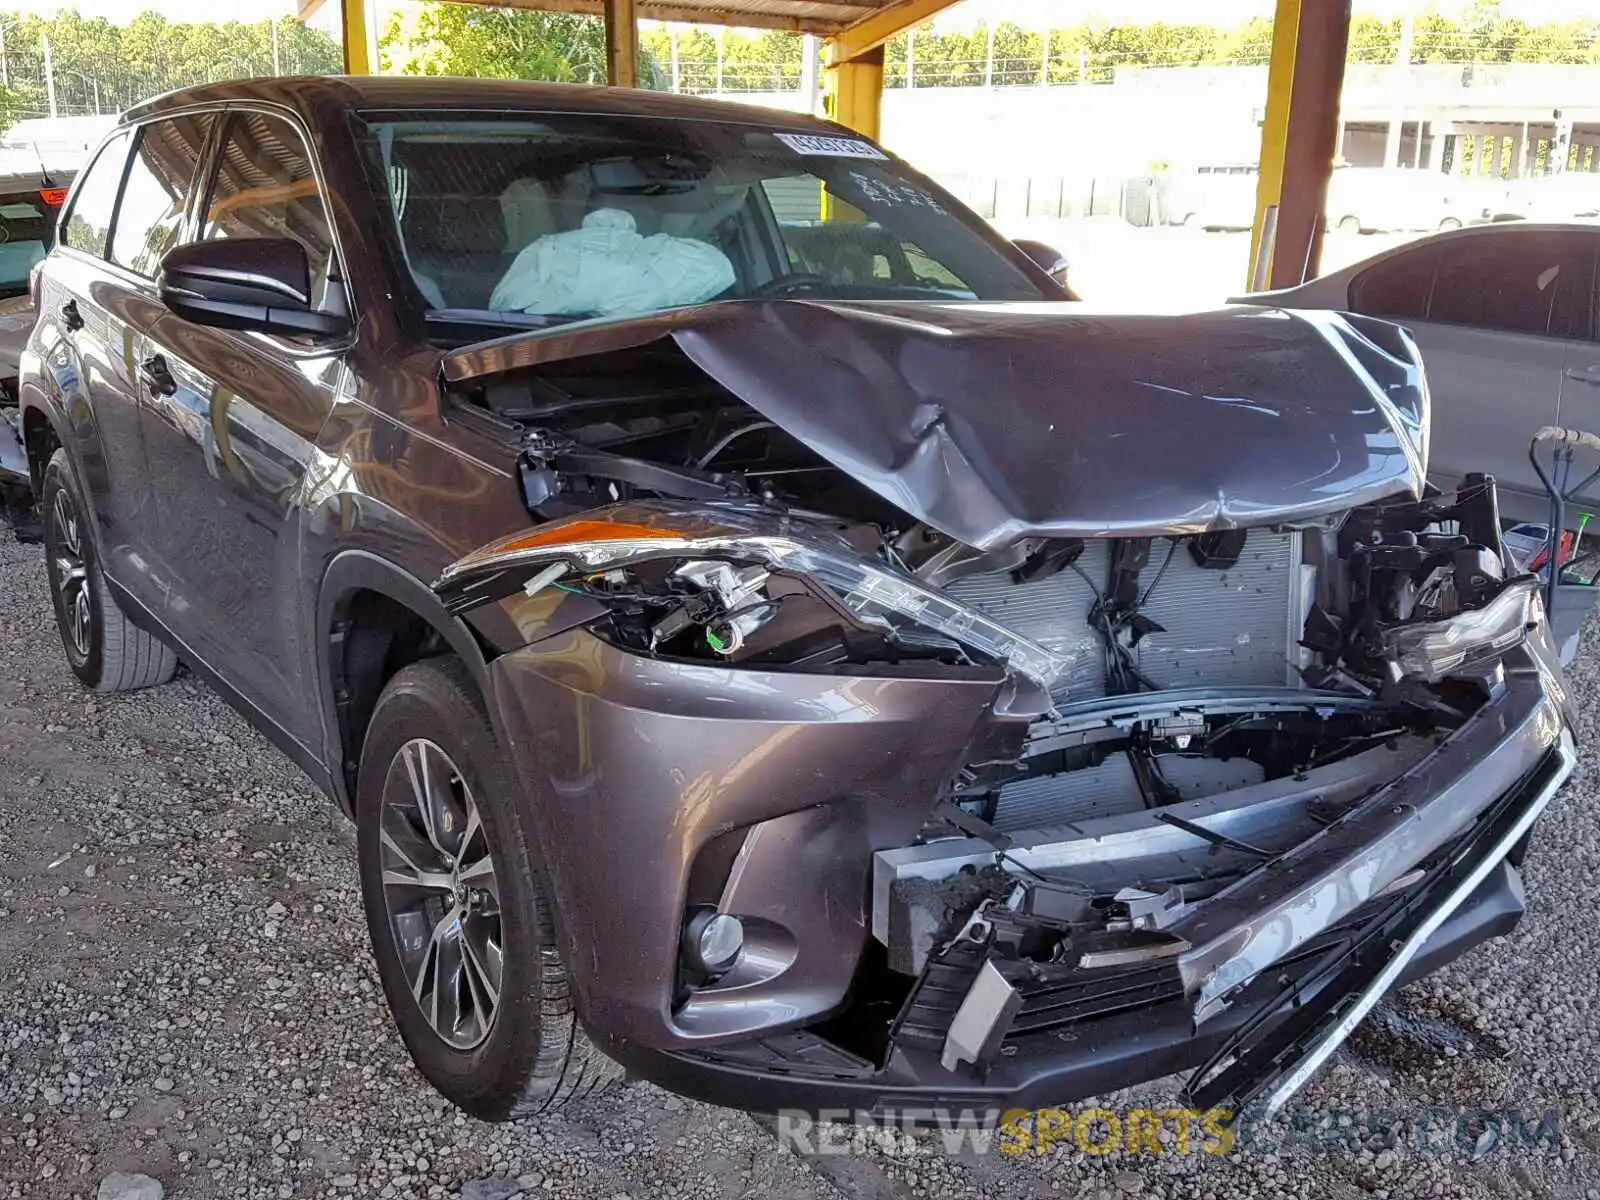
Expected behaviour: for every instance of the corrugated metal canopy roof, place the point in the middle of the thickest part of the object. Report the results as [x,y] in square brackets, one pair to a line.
[825,17]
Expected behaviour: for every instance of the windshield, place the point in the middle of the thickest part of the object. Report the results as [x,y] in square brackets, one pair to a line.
[572,217]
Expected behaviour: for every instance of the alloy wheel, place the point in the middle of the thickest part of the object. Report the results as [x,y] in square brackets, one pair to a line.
[441,893]
[69,574]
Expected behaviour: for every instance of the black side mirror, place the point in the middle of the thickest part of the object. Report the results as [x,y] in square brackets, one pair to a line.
[1047,258]
[259,284]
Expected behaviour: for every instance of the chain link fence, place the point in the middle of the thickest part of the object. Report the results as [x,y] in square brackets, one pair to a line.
[67,66]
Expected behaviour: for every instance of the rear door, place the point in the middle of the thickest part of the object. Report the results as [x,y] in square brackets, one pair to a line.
[232,427]
[86,348]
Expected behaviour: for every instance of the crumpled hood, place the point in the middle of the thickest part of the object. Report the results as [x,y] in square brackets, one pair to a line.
[993,422]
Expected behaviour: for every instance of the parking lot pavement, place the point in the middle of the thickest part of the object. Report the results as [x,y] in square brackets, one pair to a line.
[187,992]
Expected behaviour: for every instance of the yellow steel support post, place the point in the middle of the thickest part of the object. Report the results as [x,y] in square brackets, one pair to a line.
[854,87]
[622,43]
[854,94]
[853,90]
[1299,138]
[358,19]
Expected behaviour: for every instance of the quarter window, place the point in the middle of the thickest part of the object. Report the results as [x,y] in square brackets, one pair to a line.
[1398,287]
[265,187]
[1538,283]
[156,193]
[89,220]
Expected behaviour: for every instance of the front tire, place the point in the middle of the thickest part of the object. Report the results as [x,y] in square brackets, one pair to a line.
[106,651]
[463,937]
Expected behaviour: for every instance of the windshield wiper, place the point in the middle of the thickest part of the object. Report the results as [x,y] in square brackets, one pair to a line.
[490,319]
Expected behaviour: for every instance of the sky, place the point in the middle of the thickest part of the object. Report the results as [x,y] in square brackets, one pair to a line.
[965,14]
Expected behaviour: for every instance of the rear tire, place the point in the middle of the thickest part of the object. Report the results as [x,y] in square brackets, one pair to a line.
[463,937]
[106,651]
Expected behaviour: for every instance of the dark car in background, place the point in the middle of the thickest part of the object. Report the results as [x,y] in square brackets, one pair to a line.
[1507,321]
[765,635]
[30,202]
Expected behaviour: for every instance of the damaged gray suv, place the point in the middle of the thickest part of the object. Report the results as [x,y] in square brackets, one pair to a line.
[767,637]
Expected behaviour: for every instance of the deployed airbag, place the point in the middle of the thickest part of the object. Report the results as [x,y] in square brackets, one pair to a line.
[607,269]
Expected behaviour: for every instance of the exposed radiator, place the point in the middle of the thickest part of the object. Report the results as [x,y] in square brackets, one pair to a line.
[1234,627]
[1225,628]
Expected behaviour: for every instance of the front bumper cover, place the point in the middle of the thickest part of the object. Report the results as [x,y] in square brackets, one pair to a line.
[1064,1045]
[635,771]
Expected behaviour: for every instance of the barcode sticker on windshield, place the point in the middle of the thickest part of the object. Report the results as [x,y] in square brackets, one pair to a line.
[830,147]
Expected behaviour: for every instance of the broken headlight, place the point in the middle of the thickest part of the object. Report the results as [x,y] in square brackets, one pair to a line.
[1432,650]
[728,573]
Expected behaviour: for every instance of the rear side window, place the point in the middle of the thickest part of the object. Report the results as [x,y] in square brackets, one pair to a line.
[156,193]
[1397,287]
[265,187]
[1539,283]
[89,220]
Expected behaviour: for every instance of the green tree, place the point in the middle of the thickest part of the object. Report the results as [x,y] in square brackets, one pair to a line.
[115,66]
[496,43]
[1372,39]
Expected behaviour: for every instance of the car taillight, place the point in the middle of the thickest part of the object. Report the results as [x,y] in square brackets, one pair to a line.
[54,197]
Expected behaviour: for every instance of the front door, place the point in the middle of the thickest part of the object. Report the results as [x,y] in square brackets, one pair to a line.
[231,430]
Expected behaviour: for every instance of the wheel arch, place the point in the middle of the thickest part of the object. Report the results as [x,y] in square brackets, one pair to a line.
[374,617]
[43,431]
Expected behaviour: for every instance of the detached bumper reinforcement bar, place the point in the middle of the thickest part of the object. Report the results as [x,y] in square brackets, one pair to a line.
[1277,1050]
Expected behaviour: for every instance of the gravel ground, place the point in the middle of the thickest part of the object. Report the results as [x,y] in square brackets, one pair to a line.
[188,993]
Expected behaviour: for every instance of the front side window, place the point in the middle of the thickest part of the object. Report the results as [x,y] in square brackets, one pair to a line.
[265,187]
[89,220]
[156,193]
[530,222]
[1516,283]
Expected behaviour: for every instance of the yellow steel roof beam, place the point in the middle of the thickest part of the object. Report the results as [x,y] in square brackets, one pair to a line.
[687,12]
[872,31]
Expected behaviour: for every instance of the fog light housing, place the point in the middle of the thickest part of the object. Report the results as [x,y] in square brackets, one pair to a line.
[712,941]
